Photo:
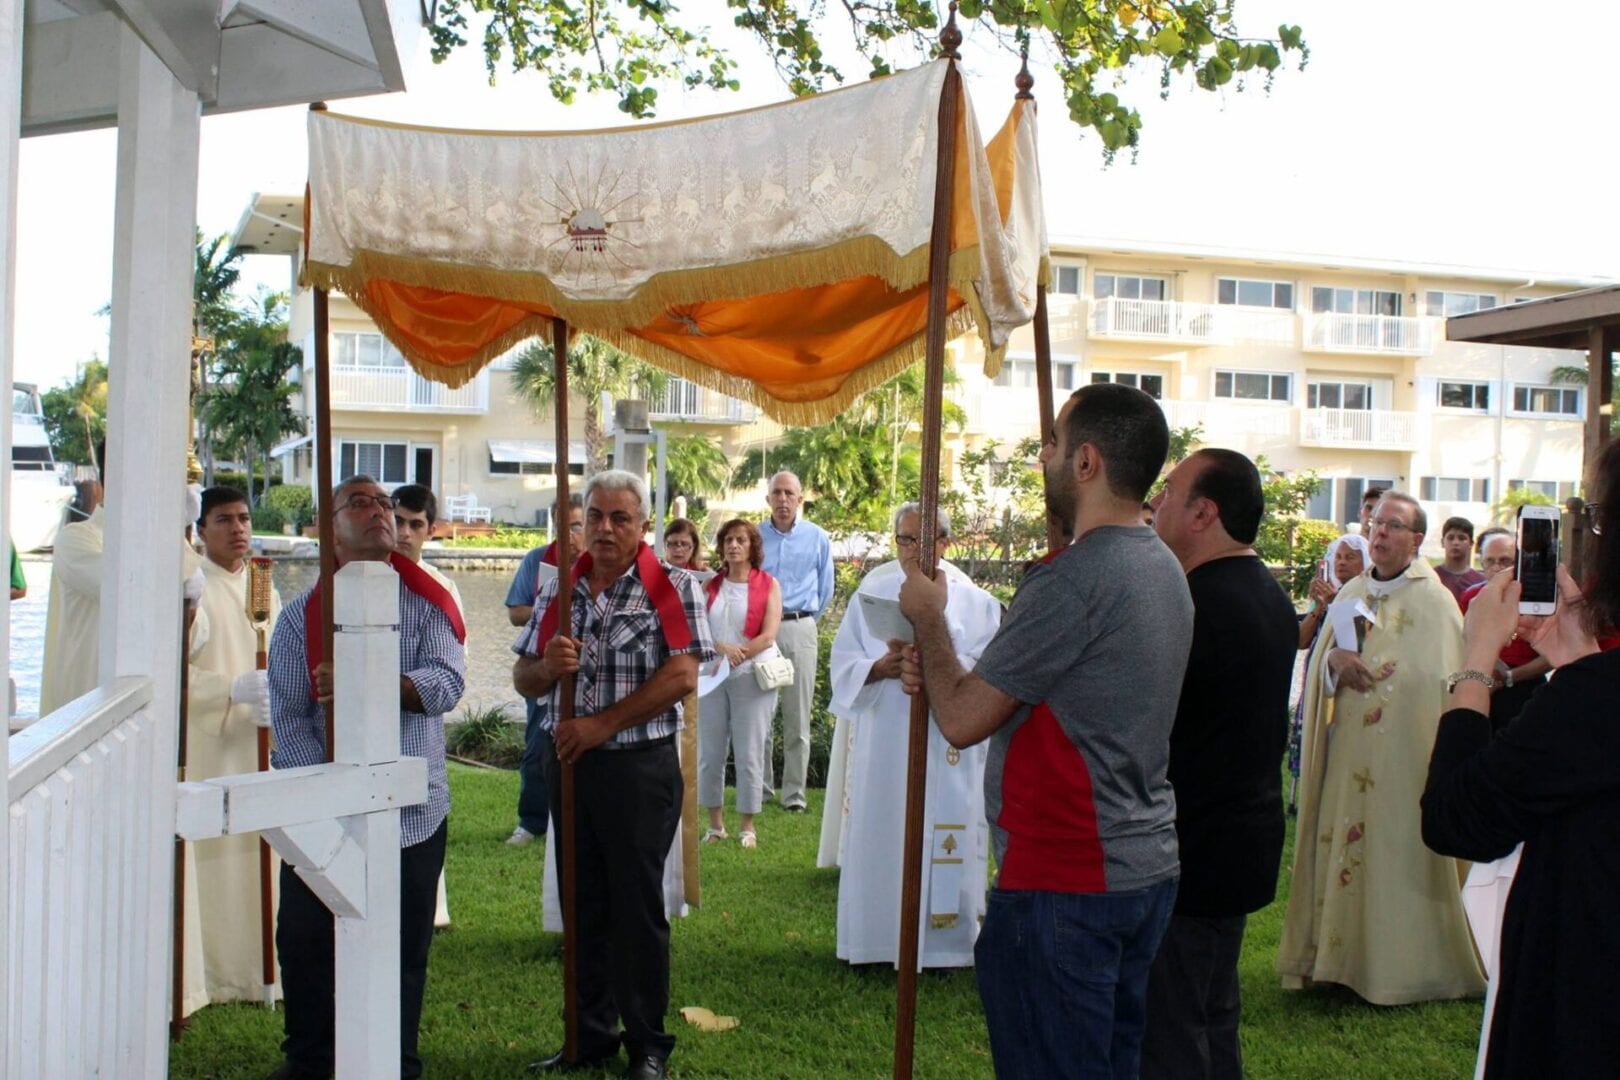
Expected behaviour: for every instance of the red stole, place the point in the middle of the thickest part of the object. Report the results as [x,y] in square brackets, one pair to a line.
[660,590]
[414,578]
[759,591]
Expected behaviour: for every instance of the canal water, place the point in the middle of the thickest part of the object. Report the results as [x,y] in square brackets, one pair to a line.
[483,593]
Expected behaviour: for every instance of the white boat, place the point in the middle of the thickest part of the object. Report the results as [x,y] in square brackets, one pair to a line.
[40,491]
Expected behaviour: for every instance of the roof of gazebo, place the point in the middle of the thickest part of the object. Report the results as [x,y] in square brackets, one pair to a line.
[1555,322]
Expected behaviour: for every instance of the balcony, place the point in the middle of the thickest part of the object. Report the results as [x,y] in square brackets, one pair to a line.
[394,389]
[688,403]
[1385,335]
[1367,429]
[1231,419]
[1160,320]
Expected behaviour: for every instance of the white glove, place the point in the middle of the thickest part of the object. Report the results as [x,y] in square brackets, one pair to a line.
[252,688]
[193,503]
[194,587]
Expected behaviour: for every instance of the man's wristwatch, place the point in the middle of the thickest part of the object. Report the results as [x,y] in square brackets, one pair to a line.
[1506,672]
[1465,675]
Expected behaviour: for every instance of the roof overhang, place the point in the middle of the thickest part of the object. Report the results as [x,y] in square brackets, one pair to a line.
[1556,322]
[270,225]
[532,451]
[235,54]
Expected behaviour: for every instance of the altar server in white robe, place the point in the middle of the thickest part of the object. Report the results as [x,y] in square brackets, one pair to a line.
[865,670]
[228,700]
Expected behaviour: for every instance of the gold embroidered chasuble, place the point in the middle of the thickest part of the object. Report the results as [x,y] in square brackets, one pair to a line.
[1369,906]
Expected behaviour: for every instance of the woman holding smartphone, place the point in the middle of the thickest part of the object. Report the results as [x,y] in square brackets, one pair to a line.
[1345,559]
[1551,782]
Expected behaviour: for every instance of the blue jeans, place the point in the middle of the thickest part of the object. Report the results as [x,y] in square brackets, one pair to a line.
[533,806]
[1063,978]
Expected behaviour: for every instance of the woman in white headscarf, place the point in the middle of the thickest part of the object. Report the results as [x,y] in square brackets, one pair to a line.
[1344,559]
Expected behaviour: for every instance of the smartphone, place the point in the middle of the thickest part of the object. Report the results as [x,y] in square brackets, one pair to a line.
[1322,569]
[1536,568]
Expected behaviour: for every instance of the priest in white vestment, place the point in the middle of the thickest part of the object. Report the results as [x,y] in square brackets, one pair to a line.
[865,670]
[227,703]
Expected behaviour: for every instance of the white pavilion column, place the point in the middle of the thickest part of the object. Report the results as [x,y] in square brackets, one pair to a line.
[11,30]
[154,238]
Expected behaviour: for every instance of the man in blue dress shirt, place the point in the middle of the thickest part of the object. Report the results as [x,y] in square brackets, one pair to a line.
[799,556]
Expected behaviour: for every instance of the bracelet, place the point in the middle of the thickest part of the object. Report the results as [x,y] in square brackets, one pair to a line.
[1466,675]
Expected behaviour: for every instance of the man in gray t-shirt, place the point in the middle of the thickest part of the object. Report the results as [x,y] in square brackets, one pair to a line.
[1078,694]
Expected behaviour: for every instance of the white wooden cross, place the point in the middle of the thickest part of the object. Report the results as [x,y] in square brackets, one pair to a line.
[338,824]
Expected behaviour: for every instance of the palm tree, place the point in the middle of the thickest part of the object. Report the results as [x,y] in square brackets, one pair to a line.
[215,274]
[696,466]
[249,407]
[594,368]
[82,403]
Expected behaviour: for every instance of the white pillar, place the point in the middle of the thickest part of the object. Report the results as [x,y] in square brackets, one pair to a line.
[365,655]
[154,236]
[11,29]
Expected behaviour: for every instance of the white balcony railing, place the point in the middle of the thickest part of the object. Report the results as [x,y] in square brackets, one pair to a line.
[88,894]
[1160,320]
[1231,419]
[687,402]
[393,388]
[1387,334]
[1369,428]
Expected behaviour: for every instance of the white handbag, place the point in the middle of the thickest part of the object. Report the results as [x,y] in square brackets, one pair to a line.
[773,671]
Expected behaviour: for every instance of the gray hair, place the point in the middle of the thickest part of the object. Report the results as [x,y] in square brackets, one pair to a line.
[1420,520]
[350,481]
[620,480]
[785,472]
[940,515]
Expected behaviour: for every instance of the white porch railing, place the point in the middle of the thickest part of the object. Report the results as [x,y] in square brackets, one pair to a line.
[1387,334]
[687,402]
[1369,428]
[1231,419]
[392,388]
[84,891]
[1160,320]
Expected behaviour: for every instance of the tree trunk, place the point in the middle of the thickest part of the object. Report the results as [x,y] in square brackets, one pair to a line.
[593,435]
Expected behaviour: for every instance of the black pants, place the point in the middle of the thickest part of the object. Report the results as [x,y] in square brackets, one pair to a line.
[304,946]
[627,806]
[1192,1002]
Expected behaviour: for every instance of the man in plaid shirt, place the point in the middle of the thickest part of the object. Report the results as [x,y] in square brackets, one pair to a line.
[432,666]
[639,632]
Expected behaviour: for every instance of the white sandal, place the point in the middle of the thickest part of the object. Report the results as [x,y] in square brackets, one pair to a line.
[711,835]
[748,839]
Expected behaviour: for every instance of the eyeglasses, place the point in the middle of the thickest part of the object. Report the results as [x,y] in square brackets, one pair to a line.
[902,540]
[677,543]
[1591,512]
[1396,527]
[362,501]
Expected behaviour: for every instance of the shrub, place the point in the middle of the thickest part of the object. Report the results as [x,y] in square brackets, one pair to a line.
[504,536]
[1311,540]
[295,502]
[489,735]
[267,519]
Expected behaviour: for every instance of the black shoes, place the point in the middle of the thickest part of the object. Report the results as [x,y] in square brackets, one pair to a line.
[651,1067]
[557,1063]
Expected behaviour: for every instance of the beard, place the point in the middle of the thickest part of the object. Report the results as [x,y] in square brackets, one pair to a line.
[1060,494]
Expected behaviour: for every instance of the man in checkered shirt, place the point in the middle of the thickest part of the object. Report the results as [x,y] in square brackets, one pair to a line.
[628,686]
[432,676]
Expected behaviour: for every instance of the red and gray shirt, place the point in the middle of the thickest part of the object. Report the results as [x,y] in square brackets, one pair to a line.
[1095,645]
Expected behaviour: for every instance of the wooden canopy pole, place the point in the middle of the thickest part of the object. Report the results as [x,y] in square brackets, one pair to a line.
[1025,82]
[939,259]
[565,699]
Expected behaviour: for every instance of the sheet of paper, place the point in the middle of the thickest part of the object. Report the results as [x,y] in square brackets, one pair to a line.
[712,676]
[884,620]
[1342,617]
[543,573]
[1366,612]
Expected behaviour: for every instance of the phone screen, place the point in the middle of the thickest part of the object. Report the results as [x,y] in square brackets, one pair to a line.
[1538,560]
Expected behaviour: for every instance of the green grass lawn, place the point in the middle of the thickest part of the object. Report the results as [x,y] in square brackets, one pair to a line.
[762,948]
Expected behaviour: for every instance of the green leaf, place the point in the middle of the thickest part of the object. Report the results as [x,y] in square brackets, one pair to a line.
[1167,41]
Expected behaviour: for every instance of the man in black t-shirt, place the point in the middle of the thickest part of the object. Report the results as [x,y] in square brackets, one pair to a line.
[1225,762]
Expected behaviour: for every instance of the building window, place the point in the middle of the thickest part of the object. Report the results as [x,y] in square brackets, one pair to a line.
[384,462]
[1547,400]
[1066,280]
[1354,301]
[1018,372]
[1151,385]
[1454,489]
[1447,304]
[1338,395]
[365,350]
[1130,287]
[1252,386]
[1559,491]
[1475,397]
[1245,292]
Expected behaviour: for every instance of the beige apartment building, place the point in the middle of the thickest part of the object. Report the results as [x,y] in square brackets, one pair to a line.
[1317,363]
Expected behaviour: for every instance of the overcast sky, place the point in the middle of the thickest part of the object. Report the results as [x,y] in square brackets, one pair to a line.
[1443,131]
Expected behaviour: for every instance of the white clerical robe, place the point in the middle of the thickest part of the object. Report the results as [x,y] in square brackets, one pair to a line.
[956,836]
[73,613]
[835,807]
[222,875]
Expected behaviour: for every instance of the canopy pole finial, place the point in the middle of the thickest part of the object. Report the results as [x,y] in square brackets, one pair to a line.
[317,106]
[950,37]
[1024,80]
